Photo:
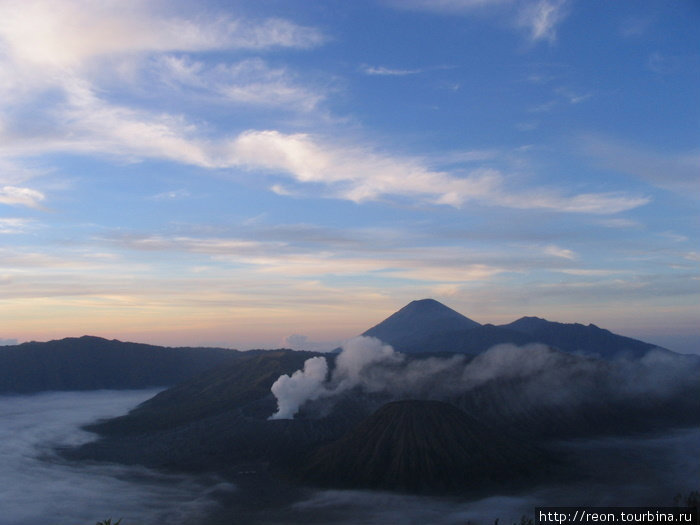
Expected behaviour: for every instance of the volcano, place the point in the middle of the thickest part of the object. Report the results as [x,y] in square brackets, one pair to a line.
[422,446]
[417,323]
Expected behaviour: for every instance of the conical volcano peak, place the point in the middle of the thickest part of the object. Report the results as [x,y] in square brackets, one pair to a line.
[419,321]
[428,305]
[419,446]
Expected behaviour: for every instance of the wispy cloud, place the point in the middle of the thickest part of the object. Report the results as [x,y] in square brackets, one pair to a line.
[16,196]
[662,64]
[38,33]
[572,96]
[542,18]
[58,65]
[557,251]
[360,174]
[635,26]
[171,195]
[539,19]
[249,82]
[385,71]
[13,225]
[677,172]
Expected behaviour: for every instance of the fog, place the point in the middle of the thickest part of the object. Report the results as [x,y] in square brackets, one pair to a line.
[39,488]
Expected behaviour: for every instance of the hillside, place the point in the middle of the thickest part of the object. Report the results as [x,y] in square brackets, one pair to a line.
[423,446]
[92,363]
[578,338]
[219,421]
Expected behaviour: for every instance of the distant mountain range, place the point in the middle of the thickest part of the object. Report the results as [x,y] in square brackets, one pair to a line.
[92,363]
[428,326]
[420,327]
[487,417]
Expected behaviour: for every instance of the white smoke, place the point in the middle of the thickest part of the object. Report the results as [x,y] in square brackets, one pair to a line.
[544,375]
[303,385]
[357,357]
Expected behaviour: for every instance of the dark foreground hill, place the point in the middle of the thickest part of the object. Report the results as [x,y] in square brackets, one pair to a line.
[505,410]
[91,363]
[217,422]
[424,446]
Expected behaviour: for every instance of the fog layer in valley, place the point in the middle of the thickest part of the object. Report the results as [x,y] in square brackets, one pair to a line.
[39,488]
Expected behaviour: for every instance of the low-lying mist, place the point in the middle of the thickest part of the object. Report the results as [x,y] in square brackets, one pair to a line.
[39,488]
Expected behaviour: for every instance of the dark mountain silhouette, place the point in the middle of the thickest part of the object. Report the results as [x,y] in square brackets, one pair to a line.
[423,446]
[90,363]
[471,341]
[424,326]
[241,386]
[417,323]
[577,338]
[428,326]
[471,428]
[218,421]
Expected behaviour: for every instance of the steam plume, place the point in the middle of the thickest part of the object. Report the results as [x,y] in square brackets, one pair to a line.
[545,375]
[303,385]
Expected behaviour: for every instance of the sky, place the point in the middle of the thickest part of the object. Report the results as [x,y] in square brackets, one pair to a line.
[289,173]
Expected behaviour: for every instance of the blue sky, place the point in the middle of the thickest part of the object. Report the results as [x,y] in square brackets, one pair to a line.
[291,172]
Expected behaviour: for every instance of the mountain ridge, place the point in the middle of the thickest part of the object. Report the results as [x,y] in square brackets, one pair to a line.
[93,363]
[421,327]
[428,326]
[418,320]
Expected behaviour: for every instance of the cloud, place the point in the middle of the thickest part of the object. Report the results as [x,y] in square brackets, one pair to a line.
[454,6]
[305,252]
[556,251]
[677,172]
[360,174]
[35,32]
[662,64]
[16,196]
[8,342]
[13,225]
[172,195]
[385,71]
[302,342]
[248,82]
[540,19]
[635,26]
[61,65]
[82,120]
